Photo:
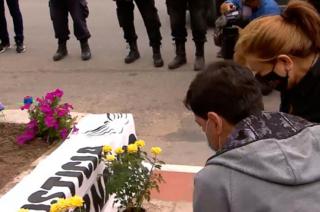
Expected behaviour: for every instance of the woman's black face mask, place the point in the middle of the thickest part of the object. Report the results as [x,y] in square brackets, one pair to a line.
[274,80]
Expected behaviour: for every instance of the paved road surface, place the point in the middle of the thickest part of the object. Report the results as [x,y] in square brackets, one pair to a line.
[105,83]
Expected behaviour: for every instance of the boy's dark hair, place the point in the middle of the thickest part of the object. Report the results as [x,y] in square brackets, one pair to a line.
[227,89]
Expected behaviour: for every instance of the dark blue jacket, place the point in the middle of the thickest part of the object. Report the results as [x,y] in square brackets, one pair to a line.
[268,7]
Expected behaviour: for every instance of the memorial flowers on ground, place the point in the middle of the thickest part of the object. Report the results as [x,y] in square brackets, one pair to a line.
[128,177]
[49,118]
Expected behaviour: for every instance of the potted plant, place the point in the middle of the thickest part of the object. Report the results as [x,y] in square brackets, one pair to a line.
[131,174]
[49,119]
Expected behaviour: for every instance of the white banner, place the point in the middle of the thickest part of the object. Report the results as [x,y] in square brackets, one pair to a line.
[73,168]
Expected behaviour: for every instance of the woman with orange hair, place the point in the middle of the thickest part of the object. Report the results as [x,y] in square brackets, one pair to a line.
[283,50]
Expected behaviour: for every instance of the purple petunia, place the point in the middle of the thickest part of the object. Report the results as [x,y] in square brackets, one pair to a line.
[51,96]
[25,107]
[50,121]
[61,111]
[28,135]
[1,107]
[45,108]
[75,129]
[64,133]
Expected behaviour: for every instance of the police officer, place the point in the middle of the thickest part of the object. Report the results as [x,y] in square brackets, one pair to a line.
[151,20]
[198,14]
[14,9]
[79,11]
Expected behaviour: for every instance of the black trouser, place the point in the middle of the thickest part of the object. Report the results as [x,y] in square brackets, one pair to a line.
[17,22]
[198,14]
[78,10]
[149,15]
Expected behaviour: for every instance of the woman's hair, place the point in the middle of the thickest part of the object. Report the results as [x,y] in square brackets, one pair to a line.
[295,32]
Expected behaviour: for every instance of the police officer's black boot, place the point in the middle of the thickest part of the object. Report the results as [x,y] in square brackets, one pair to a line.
[157,59]
[180,57]
[199,63]
[61,51]
[133,53]
[85,50]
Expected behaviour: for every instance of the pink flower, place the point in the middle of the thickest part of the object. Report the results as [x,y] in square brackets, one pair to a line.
[68,106]
[41,101]
[58,93]
[25,107]
[45,108]
[32,125]
[64,133]
[61,111]
[75,129]
[51,96]
[28,135]
[50,121]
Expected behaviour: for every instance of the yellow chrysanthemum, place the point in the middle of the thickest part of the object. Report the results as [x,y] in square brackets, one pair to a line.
[140,143]
[110,157]
[76,201]
[55,208]
[62,204]
[23,210]
[107,148]
[132,148]
[119,150]
[156,150]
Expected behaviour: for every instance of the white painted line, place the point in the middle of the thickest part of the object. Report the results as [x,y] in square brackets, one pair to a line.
[181,168]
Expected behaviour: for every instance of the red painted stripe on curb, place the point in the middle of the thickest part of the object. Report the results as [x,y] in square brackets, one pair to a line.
[178,186]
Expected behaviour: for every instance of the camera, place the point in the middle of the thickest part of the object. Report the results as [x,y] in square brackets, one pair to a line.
[226,32]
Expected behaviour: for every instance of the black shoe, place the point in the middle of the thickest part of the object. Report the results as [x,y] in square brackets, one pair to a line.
[85,51]
[20,48]
[133,53]
[4,47]
[199,63]
[178,61]
[157,58]
[61,53]
[180,57]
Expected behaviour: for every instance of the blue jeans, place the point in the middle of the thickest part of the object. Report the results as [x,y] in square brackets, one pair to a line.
[14,9]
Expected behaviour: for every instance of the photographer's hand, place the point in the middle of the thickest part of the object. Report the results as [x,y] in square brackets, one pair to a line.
[227,7]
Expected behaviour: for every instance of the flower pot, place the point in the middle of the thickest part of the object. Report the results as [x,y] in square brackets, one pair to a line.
[134,210]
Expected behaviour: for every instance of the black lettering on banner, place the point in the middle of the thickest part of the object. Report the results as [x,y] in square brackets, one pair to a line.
[38,196]
[74,166]
[73,169]
[132,138]
[93,159]
[36,207]
[56,182]
[78,175]
[87,201]
[98,200]
[91,150]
